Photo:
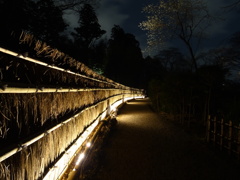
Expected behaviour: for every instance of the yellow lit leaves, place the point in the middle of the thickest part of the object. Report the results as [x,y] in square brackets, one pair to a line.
[174,18]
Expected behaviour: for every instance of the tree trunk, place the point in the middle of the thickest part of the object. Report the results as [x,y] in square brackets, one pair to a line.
[191,52]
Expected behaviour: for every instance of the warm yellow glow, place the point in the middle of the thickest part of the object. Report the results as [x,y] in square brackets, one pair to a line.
[114,109]
[63,162]
[88,144]
[80,158]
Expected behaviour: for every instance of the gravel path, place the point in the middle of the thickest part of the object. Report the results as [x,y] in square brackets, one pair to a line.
[145,147]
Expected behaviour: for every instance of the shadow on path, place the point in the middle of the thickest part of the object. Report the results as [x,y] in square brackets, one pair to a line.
[145,147]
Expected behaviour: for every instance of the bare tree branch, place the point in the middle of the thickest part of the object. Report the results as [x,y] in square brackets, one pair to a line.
[74,4]
[232,6]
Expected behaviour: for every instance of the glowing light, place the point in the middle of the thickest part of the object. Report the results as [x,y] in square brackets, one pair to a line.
[63,162]
[80,158]
[88,144]
[114,109]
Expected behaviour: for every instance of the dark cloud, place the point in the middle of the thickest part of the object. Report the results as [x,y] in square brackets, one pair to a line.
[128,14]
[225,22]
[110,13]
[125,13]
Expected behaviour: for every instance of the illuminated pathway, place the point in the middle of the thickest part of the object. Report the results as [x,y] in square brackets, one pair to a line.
[145,147]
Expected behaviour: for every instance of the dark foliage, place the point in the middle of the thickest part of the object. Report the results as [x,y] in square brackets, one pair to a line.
[124,58]
[88,31]
[190,96]
[41,18]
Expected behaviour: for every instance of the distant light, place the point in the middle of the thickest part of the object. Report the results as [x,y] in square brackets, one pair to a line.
[88,144]
[80,158]
[74,169]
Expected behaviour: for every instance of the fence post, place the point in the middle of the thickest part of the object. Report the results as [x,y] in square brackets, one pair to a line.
[214,129]
[208,128]
[221,134]
[238,142]
[230,137]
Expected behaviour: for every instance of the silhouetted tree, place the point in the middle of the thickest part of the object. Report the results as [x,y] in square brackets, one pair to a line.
[88,31]
[172,60]
[41,18]
[233,5]
[74,5]
[124,58]
[98,55]
[15,16]
[48,22]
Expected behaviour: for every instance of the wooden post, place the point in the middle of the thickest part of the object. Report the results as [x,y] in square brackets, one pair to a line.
[230,137]
[208,131]
[221,134]
[238,142]
[158,103]
[214,129]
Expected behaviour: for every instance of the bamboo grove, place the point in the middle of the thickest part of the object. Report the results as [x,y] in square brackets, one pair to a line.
[76,92]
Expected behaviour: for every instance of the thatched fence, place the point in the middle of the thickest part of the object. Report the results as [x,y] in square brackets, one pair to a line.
[224,135]
[46,106]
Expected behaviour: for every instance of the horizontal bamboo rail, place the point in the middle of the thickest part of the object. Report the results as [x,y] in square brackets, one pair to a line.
[34,139]
[47,65]
[36,107]
[224,135]
[107,81]
[49,90]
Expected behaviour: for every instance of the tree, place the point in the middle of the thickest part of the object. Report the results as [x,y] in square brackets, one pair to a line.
[182,19]
[232,6]
[41,18]
[98,56]
[15,16]
[74,5]
[172,60]
[227,57]
[124,58]
[88,31]
[48,22]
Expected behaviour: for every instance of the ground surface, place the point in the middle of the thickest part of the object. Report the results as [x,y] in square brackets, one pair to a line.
[146,147]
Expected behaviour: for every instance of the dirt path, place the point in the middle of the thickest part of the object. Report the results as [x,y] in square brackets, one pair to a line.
[145,147]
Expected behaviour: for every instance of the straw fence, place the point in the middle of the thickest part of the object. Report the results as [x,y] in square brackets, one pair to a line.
[45,105]
[224,135]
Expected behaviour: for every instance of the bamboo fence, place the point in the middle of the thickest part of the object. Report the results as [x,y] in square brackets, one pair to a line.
[45,106]
[225,135]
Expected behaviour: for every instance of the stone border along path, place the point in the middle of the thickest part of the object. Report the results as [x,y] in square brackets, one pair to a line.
[145,147]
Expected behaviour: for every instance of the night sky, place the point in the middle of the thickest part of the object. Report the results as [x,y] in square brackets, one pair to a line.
[128,14]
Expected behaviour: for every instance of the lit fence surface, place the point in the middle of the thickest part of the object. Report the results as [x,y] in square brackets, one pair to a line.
[47,112]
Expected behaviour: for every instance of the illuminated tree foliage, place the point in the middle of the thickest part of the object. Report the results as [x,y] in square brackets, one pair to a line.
[182,19]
